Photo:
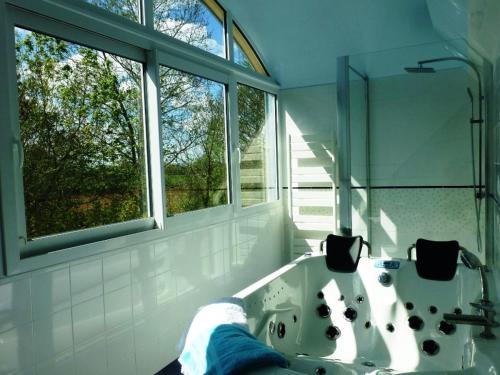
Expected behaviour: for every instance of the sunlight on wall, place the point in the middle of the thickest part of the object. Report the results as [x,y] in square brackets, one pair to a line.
[312,170]
[389,227]
[359,212]
[291,126]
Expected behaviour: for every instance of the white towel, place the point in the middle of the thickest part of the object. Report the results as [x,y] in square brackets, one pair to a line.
[225,311]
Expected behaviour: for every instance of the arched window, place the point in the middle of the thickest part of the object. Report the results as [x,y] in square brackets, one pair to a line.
[244,54]
[200,23]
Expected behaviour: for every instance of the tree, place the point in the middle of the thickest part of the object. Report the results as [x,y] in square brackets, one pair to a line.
[81,128]
[81,123]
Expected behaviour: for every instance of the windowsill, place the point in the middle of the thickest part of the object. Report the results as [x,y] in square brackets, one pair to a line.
[179,224]
[82,251]
[194,220]
[190,221]
[258,208]
[61,241]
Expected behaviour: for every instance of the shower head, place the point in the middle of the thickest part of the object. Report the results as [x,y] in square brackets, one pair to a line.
[469,260]
[420,69]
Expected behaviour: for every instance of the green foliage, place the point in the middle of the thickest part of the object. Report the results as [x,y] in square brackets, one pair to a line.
[81,123]
[193,124]
[251,114]
[81,129]
[126,8]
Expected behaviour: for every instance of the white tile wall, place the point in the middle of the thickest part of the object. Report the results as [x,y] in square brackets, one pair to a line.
[50,291]
[86,281]
[408,147]
[400,216]
[125,312]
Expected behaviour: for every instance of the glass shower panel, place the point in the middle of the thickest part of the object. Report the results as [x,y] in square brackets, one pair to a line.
[359,154]
[420,156]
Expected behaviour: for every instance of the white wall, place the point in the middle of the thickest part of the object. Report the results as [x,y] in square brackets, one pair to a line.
[310,110]
[420,129]
[124,312]
[310,116]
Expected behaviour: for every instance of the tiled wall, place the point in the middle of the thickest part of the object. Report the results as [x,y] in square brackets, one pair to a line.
[313,209]
[421,138]
[125,312]
[310,117]
[400,216]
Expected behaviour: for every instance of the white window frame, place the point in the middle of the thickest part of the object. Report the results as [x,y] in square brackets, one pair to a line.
[276,170]
[204,216]
[83,23]
[46,244]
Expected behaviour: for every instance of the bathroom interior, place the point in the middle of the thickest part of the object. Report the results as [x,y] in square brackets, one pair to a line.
[160,155]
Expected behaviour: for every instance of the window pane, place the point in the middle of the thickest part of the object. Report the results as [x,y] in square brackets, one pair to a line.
[194,141]
[257,126]
[240,57]
[193,22]
[244,54]
[126,8]
[82,131]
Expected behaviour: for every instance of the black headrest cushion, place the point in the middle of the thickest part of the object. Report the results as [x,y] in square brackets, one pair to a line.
[342,253]
[437,260]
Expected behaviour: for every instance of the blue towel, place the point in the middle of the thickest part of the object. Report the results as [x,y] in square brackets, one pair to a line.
[233,350]
[219,343]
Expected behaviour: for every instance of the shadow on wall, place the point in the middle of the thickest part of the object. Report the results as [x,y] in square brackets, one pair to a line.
[310,117]
[313,209]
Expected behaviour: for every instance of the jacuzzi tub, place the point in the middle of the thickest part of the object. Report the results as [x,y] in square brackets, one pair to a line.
[365,328]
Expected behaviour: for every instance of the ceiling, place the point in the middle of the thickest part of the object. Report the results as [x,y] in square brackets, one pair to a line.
[299,40]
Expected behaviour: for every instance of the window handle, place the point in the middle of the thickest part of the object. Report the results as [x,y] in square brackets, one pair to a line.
[239,155]
[22,239]
[20,152]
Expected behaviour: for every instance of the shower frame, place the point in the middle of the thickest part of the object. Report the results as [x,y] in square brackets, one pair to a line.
[343,156]
[343,150]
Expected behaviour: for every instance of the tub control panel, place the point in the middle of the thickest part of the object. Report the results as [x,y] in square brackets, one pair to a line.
[387,264]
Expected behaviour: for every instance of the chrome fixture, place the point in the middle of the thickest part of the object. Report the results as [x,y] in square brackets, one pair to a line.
[479,194]
[369,248]
[487,320]
[420,69]
[385,279]
[471,261]
[366,243]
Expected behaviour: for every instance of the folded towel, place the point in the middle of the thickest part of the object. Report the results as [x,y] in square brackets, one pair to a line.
[219,343]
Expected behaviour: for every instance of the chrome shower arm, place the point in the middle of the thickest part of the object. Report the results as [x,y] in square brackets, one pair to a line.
[465,61]
[479,120]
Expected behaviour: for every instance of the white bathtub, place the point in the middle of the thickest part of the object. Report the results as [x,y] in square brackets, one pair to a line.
[379,340]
